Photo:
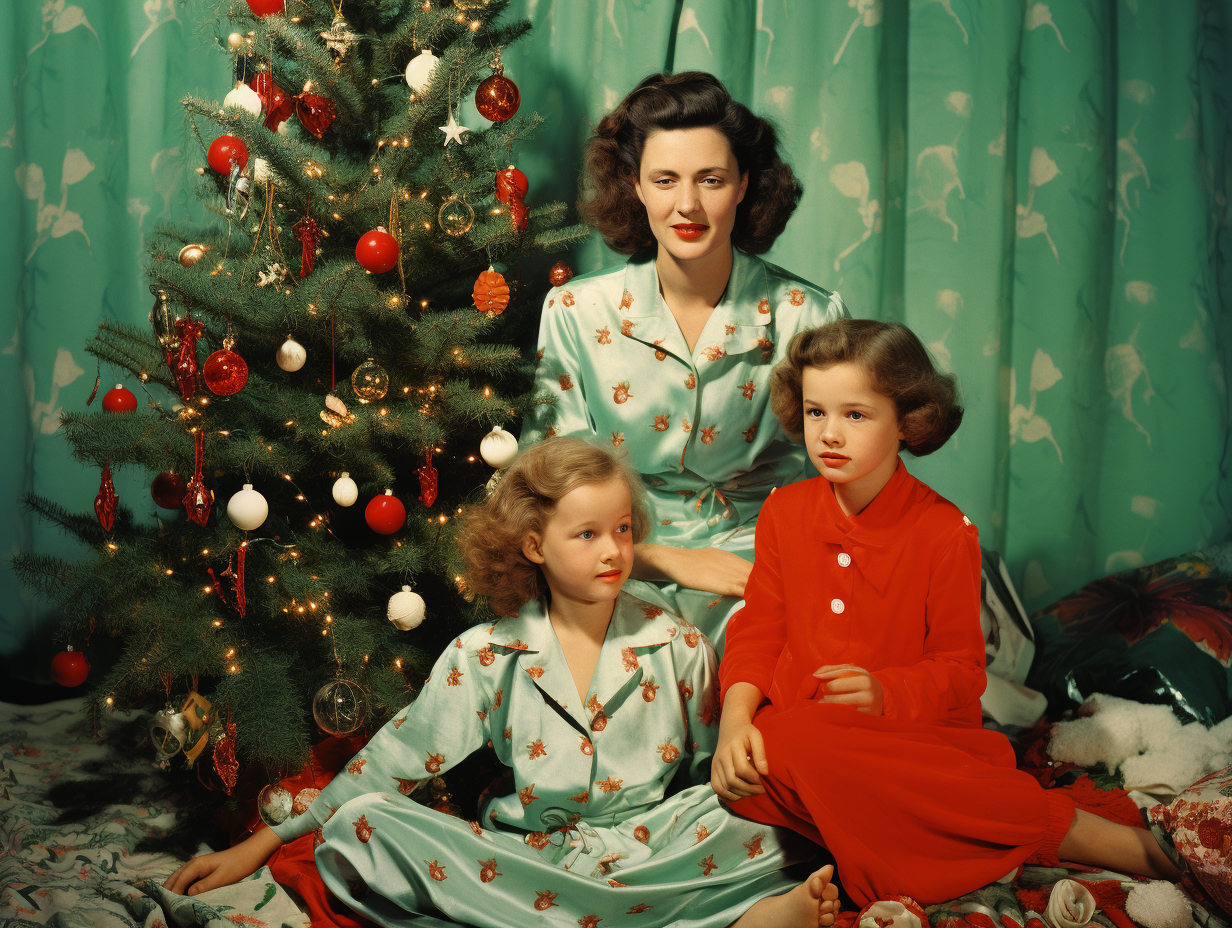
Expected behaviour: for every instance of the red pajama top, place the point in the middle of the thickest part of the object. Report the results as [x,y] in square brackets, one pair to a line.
[894,590]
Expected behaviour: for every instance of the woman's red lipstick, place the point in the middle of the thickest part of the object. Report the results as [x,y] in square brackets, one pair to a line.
[690,230]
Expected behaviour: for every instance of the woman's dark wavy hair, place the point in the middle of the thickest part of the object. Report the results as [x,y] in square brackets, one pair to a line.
[899,365]
[688,100]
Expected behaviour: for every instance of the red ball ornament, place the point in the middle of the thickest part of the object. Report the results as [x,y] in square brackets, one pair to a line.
[225,151]
[119,399]
[168,490]
[70,668]
[265,7]
[385,513]
[497,98]
[225,372]
[377,251]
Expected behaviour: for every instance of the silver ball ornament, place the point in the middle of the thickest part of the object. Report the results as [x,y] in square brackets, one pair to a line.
[345,491]
[406,609]
[274,804]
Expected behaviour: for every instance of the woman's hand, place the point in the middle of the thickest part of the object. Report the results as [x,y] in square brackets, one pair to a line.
[222,868]
[710,569]
[848,685]
[739,762]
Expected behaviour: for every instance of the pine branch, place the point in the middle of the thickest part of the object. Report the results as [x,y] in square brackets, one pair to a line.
[43,573]
[561,239]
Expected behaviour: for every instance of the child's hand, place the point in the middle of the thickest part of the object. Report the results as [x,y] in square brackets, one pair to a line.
[848,685]
[739,762]
[222,868]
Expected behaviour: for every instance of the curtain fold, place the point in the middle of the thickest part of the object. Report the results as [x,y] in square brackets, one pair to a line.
[1040,190]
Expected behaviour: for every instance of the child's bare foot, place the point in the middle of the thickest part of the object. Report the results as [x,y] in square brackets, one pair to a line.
[813,903]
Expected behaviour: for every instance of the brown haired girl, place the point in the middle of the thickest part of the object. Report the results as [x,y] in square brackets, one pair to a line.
[669,356]
[853,676]
[605,709]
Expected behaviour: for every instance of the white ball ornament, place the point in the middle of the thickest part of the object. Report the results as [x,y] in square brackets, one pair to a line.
[498,448]
[419,71]
[345,490]
[243,97]
[406,609]
[291,355]
[247,509]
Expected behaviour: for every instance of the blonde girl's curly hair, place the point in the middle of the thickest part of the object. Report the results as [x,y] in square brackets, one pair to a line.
[492,532]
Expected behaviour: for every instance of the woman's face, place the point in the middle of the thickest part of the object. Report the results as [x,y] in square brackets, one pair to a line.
[690,185]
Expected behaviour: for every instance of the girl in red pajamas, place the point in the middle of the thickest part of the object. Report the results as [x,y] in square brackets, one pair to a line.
[852,677]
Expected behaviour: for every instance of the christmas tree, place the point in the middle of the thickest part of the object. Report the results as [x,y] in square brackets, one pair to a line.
[326,363]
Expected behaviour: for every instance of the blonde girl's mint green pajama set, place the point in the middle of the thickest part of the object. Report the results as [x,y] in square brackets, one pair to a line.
[611,820]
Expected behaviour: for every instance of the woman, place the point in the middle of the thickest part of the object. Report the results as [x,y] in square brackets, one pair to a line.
[670,355]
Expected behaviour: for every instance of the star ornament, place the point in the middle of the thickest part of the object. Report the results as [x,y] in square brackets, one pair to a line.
[453,132]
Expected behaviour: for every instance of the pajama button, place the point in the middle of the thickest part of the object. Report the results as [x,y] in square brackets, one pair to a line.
[836,606]
[844,560]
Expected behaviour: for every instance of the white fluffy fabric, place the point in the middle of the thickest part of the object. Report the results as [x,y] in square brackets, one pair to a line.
[1159,904]
[1154,751]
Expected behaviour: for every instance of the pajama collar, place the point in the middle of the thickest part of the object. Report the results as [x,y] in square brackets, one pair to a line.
[875,538]
[636,627]
[743,312]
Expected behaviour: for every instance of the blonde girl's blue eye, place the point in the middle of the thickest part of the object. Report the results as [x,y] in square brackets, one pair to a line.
[623,528]
[588,534]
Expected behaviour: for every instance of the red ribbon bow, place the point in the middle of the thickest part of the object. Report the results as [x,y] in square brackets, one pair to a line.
[314,111]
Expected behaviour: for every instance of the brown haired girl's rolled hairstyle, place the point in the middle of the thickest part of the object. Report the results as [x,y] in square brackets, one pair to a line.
[689,100]
[900,367]
[492,532]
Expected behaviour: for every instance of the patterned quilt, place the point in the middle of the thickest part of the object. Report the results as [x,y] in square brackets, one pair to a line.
[99,867]
[80,865]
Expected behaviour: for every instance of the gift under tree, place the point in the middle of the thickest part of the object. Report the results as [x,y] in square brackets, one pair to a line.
[328,367]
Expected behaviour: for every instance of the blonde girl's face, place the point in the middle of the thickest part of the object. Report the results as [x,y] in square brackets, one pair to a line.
[586,546]
[851,431]
[690,184]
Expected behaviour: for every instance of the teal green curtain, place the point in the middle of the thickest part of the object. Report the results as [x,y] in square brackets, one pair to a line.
[92,158]
[1040,190]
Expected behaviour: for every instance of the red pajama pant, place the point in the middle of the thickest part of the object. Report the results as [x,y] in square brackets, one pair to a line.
[926,811]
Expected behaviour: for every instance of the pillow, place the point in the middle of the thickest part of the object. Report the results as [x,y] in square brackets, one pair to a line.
[1155,634]
[1199,821]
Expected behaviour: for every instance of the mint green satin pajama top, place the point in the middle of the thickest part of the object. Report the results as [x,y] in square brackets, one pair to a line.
[611,818]
[696,424]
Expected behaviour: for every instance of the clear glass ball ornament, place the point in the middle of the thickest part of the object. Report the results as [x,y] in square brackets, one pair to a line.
[339,707]
[455,216]
[370,382]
